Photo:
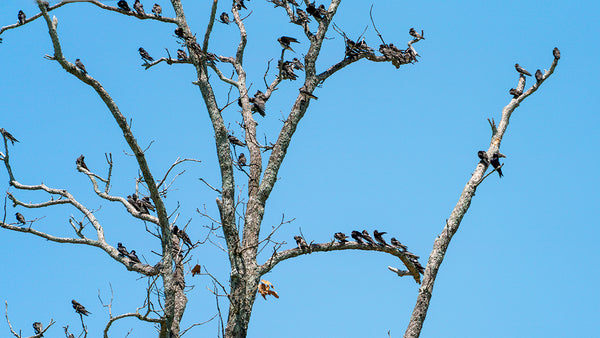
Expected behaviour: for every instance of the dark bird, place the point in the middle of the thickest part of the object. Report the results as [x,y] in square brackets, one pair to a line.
[418,265]
[297,64]
[357,236]
[415,34]
[522,70]
[123,5]
[21,16]
[301,243]
[20,218]
[258,102]
[556,53]
[312,10]
[397,244]
[287,70]
[80,162]
[495,162]
[483,156]
[539,76]
[293,2]
[224,18]
[183,235]
[133,256]
[79,65]
[367,237]
[46,4]
[181,55]
[515,93]
[242,160]
[302,91]
[411,255]
[196,270]
[79,308]
[8,136]
[239,4]
[122,250]
[340,236]
[285,41]
[157,10]
[139,8]
[302,16]
[133,200]
[147,203]
[321,10]
[179,32]
[379,237]
[235,141]
[38,328]
[145,56]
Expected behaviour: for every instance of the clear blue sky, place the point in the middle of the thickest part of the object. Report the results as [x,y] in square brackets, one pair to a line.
[381,149]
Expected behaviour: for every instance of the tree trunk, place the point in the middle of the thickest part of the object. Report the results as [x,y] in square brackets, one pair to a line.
[241,298]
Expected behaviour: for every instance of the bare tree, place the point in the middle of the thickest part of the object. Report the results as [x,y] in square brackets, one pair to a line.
[240,217]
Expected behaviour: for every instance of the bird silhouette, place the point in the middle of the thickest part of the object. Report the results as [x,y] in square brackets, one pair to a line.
[123,5]
[357,236]
[495,162]
[285,41]
[340,236]
[80,162]
[556,53]
[20,218]
[242,160]
[522,70]
[8,136]
[122,250]
[145,56]
[301,243]
[21,17]
[379,237]
[133,256]
[79,308]
[397,244]
[38,328]
[539,76]
[367,237]
[157,10]
[224,18]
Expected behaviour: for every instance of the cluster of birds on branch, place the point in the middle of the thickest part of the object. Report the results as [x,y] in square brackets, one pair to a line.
[396,55]
[539,76]
[494,160]
[141,205]
[139,8]
[364,238]
[131,255]
[38,327]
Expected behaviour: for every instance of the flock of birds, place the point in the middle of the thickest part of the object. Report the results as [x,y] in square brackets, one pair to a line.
[539,76]
[38,327]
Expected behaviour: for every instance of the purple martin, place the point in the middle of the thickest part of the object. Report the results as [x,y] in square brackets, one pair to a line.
[38,328]
[418,265]
[287,70]
[258,102]
[297,64]
[79,308]
[147,203]
[79,65]
[301,243]
[302,91]
[224,18]
[357,236]
[122,250]
[285,41]
[242,160]
[132,255]
[495,162]
[415,34]
[522,70]
[302,16]
[179,32]
[157,10]
[340,236]
[21,16]
[80,162]
[239,4]
[539,76]
[183,235]
[379,237]
[321,10]
[367,237]
[133,200]
[515,93]
[312,10]
[123,5]
[20,218]
[483,156]
[145,56]
[139,8]
[235,141]
[8,136]
[46,4]
[556,53]
[397,244]
[181,55]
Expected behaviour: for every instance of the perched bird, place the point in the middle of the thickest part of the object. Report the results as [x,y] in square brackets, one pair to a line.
[287,70]
[132,255]
[357,236]
[367,237]
[183,235]
[71,335]
[297,64]
[139,8]
[495,162]
[157,10]
[80,162]
[21,16]
[321,10]
[522,70]
[418,265]
[179,32]
[46,4]
[145,201]
[122,250]
[239,4]
[340,236]
[242,160]
[38,328]
[312,10]
[307,93]
[20,218]
[411,255]
[415,34]
[379,237]
[556,53]
[285,41]
[538,76]
[79,308]
[515,93]
[397,244]
[258,102]
[301,243]
[235,141]
[79,65]
[145,56]
[123,5]
[196,270]
[181,55]
[8,136]
[224,18]
[483,156]
[302,16]
[133,200]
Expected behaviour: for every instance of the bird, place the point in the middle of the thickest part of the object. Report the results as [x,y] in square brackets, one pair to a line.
[157,10]
[293,2]
[133,256]
[239,4]
[21,16]
[20,218]
[302,16]
[181,55]
[379,237]
[522,70]
[46,4]
[79,308]
[301,243]
[410,255]
[287,70]
[321,10]
[139,8]
[397,244]
[196,270]
[483,156]
[258,103]
[80,162]
[367,237]
[495,162]
[122,250]
[285,41]
[515,93]
[133,200]
[415,34]
[418,265]
[224,18]
[297,64]
[145,56]
[38,328]
[79,65]
[340,236]
[8,136]
[145,201]
[307,93]
[235,141]
[539,76]
[179,32]
[183,235]
[242,160]
[312,10]
[556,53]
[357,236]
[123,5]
